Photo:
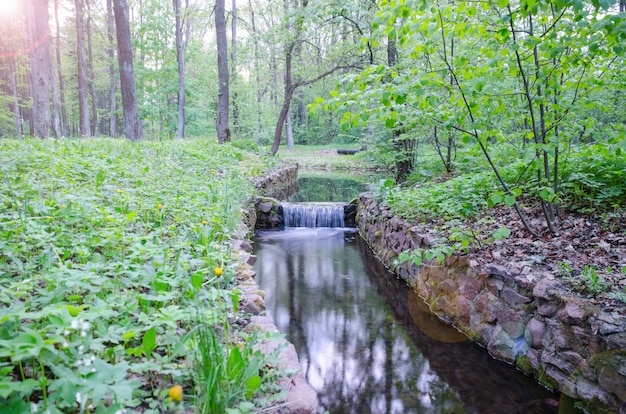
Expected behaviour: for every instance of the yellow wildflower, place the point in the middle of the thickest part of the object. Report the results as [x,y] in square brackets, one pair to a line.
[218,271]
[176,393]
[204,222]
[160,206]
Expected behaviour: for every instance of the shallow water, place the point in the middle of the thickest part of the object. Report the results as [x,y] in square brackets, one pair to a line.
[367,344]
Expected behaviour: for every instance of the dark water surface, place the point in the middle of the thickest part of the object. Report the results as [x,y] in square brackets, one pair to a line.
[315,187]
[368,344]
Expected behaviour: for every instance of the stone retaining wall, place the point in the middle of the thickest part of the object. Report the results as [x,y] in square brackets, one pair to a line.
[300,398]
[530,320]
[279,184]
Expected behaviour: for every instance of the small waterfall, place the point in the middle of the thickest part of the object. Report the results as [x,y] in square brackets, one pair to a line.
[313,214]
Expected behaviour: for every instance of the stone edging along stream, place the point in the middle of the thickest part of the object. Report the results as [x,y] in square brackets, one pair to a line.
[530,320]
[301,398]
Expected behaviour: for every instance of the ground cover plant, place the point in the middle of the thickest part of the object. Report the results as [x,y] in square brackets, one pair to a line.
[469,213]
[115,263]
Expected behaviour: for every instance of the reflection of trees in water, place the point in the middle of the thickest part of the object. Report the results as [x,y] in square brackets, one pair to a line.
[353,352]
[484,384]
[327,189]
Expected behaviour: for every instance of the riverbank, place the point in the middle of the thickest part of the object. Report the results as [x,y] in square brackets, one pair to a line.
[523,314]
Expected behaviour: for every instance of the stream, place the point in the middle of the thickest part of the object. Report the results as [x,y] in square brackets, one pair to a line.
[366,342]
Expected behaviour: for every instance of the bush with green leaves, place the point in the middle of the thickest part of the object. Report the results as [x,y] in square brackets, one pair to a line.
[105,247]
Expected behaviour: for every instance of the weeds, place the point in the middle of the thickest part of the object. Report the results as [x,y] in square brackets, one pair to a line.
[105,245]
[587,281]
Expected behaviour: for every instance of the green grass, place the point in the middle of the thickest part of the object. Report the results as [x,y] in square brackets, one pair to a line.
[322,157]
[105,247]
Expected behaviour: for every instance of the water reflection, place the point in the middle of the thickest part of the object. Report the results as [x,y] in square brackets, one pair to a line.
[354,328]
[316,188]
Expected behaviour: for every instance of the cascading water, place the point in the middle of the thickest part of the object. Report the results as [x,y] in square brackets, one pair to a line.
[313,214]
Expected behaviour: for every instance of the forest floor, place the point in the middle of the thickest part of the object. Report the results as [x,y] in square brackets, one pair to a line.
[588,253]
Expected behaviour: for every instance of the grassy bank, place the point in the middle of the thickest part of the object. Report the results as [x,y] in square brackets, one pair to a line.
[117,284]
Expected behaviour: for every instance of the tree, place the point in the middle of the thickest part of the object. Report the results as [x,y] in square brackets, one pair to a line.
[181,44]
[132,123]
[233,70]
[83,100]
[221,121]
[63,120]
[113,130]
[40,64]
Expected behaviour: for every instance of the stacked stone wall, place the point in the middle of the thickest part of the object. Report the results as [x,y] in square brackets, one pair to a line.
[531,320]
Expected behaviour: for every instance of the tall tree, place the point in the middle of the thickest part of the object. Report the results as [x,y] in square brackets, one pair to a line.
[221,121]
[40,65]
[113,132]
[180,58]
[92,76]
[132,123]
[233,68]
[60,70]
[83,101]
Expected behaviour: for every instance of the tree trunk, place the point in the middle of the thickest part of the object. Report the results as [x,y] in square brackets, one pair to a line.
[289,130]
[180,58]
[92,81]
[281,119]
[233,59]
[83,101]
[132,123]
[56,122]
[60,71]
[40,62]
[257,73]
[16,101]
[113,132]
[301,109]
[221,122]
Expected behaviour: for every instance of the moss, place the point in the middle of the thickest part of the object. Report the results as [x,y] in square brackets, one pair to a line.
[545,379]
[523,364]
[594,406]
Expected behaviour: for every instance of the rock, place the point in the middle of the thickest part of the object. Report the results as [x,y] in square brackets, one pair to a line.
[253,304]
[513,298]
[501,345]
[545,289]
[547,310]
[534,332]
[574,313]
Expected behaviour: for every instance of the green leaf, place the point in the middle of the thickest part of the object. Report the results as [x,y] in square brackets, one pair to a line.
[252,384]
[149,341]
[197,279]
[503,3]
[509,200]
[100,177]
[131,216]
[501,233]
[495,199]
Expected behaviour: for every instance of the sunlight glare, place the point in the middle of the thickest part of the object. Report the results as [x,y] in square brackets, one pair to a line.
[8,8]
